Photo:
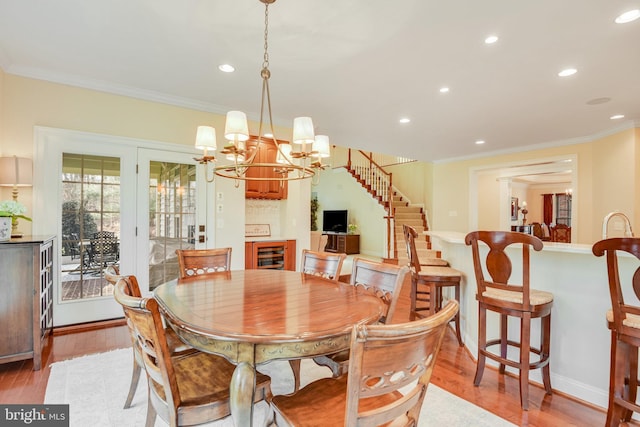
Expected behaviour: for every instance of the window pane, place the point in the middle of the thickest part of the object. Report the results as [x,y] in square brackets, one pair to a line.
[90,224]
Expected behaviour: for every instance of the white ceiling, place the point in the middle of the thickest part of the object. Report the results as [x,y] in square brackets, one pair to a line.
[356,67]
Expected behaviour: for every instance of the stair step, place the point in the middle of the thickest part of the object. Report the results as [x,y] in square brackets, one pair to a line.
[415,223]
[408,209]
[422,252]
[407,215]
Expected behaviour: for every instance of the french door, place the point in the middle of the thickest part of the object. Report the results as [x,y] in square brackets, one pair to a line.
[171,206]
[113,201]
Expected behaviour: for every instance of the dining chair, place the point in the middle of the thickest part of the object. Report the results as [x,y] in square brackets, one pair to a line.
[624,322]
[536,230]
[175,345]
[427,282]
[498,295]
[323,264]
[384,358]
[380,279]
[186,390]
[194,262]
[561,233]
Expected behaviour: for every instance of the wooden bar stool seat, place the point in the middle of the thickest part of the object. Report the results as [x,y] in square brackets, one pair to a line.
[508,299]
[624,322]
[427,282]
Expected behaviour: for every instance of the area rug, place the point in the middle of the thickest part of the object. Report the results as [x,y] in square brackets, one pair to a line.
[96,386]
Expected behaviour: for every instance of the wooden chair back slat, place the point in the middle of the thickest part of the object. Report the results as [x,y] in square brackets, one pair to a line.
[498,263]
[150,338]
[385,358]
[620,308]
[410,235]
[323,264]
[194,262]
[383,280]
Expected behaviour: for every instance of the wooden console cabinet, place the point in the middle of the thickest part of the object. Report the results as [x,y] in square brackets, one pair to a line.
[277,255]
[26,305]
[343,243]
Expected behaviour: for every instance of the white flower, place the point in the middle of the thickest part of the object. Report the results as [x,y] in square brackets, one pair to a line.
[13,209]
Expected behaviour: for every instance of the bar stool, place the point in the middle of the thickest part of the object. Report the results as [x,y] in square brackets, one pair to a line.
[427,282]
[506,299]
[624,322]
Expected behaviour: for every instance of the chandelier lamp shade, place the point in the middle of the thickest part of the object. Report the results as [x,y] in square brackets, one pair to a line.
[297,161]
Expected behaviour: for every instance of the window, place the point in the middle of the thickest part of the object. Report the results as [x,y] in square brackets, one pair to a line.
[563,209]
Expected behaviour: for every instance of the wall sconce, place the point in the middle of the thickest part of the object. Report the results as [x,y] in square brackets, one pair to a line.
[16,172]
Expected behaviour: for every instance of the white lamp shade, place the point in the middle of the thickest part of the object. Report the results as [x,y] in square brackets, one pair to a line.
[16,171]
[303,130]
[321,146]
[236,127]
[284,154]
[206,138]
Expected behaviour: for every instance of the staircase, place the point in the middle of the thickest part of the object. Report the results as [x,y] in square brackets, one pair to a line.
[412,215]
[379,184]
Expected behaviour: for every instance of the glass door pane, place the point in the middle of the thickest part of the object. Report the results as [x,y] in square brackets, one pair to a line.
[90,224]
[172,217]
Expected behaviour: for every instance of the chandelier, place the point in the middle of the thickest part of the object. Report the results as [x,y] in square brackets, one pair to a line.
[241,149]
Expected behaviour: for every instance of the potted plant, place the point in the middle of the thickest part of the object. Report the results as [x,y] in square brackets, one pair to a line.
[10,212]
[314,213]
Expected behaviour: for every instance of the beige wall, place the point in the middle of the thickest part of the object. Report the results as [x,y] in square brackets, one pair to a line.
[608,168]
[26,103]
[2,151]
[534,199]
[413,180]
[338,190]
[607,181]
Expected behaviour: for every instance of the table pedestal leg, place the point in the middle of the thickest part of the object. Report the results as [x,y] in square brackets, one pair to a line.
[241,394]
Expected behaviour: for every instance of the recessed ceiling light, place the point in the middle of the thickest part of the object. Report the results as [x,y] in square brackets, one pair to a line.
[567,72]
[226,68]
[617,117]
[491,39]
[479,142]
[628,16]
[405,120]
[444,89]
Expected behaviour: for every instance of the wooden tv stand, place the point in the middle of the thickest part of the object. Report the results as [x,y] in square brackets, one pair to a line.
[343,243]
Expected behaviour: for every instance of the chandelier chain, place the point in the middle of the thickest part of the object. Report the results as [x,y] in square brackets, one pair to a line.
[243,155]
[265,63]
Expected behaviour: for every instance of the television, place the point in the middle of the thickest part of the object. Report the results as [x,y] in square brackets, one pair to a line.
[334,221]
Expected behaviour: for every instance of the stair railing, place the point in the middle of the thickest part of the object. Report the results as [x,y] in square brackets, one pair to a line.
[379,183]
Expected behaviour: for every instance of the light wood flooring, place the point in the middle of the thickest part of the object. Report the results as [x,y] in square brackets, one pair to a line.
[454,372]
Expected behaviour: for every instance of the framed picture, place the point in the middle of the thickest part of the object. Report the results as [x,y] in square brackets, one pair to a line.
[514,209]
[257,230]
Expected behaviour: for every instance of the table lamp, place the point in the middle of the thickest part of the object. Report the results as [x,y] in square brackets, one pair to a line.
[15,172]
[524,213]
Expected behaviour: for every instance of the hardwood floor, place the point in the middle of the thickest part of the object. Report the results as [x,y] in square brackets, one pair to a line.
[454,372]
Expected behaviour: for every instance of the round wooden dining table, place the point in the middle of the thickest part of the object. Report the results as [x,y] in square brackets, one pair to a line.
[256,316]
